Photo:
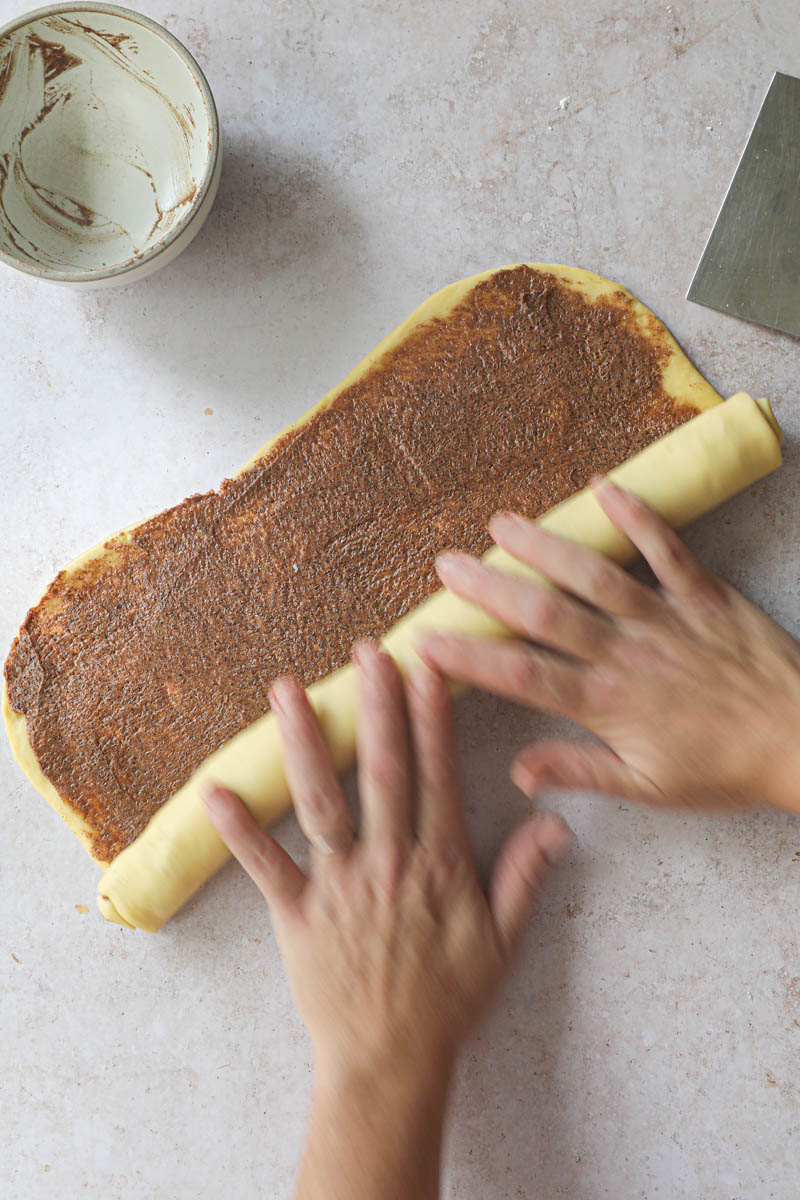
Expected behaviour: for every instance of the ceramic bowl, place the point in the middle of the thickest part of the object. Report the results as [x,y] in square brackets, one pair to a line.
[109,145]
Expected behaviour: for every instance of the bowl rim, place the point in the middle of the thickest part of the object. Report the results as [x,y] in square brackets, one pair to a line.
[91,6]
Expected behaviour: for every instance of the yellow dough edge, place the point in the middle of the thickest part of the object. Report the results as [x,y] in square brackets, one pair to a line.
[680,380]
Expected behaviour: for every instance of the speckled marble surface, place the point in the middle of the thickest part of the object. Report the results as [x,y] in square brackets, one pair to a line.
[648,1044]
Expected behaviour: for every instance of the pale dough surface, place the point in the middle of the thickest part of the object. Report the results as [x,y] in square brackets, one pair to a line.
[178,851]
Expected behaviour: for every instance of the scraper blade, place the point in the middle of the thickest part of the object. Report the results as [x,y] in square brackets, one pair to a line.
[751,264]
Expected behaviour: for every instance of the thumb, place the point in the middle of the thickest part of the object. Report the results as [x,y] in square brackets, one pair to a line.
[522,866]
[578,765]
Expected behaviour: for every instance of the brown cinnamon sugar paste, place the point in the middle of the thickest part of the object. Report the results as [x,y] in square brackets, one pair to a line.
[133,669]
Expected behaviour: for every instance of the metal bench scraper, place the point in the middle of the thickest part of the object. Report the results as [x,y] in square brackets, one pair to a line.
[751,264]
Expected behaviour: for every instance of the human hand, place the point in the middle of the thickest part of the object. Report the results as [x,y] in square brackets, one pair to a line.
[694,690]
[391,946]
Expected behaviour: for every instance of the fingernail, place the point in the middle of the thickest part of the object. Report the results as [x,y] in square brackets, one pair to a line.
[531,782]
[603,481]
[211,795]
[453,563]
[563,839]
[509,519]
[507,525]
[365,651]
[522,780]
[281,690]
[320,845]
[604,484]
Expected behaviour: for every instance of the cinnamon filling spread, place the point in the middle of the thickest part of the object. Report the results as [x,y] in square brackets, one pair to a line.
[133,669]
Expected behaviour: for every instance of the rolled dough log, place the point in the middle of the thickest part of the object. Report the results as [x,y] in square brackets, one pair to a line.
[682,476]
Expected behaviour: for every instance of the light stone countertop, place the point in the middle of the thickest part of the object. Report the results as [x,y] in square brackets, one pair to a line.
[648,1044]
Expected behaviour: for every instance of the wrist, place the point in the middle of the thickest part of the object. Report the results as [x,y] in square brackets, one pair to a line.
[783,789]
[781,784]
[397,1080]
[376,1128]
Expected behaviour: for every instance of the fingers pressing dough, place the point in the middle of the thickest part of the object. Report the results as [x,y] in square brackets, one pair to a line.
[146,666]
